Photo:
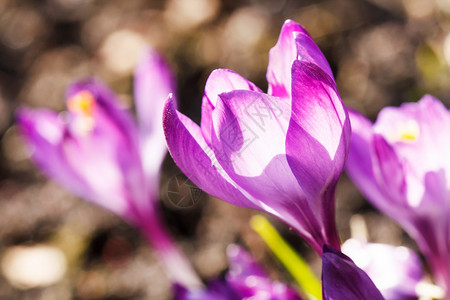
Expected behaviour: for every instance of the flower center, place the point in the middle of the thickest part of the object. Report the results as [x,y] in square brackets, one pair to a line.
[408,132]
[82,107]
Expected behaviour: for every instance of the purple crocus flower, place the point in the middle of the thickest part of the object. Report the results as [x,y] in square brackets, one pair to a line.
[401,163]
[99,152]
[250,281]
[245,279]
[280,152]
[342,279]
[396,271]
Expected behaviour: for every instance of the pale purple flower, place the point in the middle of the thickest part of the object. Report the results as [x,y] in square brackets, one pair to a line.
[395,271]
[280,152]
[99,152]
[401,163]
[342,279]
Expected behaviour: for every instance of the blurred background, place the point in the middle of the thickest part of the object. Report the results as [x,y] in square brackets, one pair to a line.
[56,246]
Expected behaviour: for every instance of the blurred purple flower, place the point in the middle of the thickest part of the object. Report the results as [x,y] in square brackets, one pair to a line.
[99,152]
[342,279]
[250,281]
[402,165]
[396,271]
[280,152]
[245,280]
[153,81]
[216,290]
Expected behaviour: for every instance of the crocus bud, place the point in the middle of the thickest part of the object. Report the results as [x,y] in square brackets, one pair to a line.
[280,152]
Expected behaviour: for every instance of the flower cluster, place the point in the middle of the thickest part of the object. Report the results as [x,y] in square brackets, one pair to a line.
[281,152]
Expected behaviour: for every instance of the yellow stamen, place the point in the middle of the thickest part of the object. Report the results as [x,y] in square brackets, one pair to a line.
[409,131]
[404,131]
[82,103]
[82,106]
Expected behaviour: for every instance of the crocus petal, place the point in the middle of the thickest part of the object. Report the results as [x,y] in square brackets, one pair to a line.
[43,131]
[46,137]
[318,137]
[417,128]
[220,81]
[394,270]
[153,82]
[196,159]
[359,164]
[389,168]
[242,264]
[428,224]
[367,150]
[281,57]
[342,279]
[217,290]
[294,43]
[244,123]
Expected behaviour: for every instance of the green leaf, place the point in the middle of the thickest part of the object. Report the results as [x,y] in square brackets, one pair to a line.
[291,260]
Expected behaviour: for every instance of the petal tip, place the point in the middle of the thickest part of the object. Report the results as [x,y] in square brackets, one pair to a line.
[89,83]
[168,111]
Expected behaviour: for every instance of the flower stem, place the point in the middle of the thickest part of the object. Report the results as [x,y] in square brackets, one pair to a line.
[177,266]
